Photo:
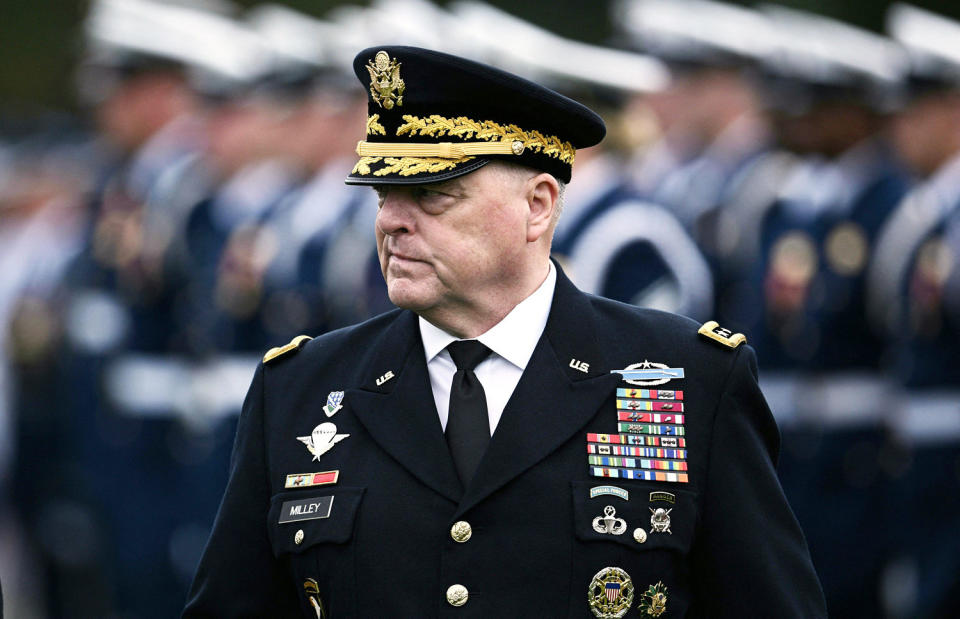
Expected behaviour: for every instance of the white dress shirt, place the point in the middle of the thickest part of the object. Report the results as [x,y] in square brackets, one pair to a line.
[512,341]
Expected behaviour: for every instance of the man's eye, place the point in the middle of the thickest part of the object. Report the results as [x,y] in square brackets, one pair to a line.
[420,193]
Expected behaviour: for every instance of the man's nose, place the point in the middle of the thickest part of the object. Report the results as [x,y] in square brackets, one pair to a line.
[394,216]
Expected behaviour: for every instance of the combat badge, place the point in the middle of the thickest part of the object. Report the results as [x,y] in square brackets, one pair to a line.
[334,403]
[609,523]
[649,374]
[654,600]
[322,439]
[660,520]
[386,87]
[610,594]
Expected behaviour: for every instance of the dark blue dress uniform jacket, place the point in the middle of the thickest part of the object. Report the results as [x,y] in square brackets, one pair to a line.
[386,550]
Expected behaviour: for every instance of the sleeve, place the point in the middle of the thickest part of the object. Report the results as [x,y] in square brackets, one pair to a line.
[238,575]
[750,559]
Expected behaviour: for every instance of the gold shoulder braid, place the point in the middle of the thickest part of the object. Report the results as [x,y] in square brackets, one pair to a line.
[280,351]
[713,331]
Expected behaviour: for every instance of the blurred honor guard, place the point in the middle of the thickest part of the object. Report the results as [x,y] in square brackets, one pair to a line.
[612,241]
[710,113]
[839,83]
[913,293]
[497,437]
[121,462]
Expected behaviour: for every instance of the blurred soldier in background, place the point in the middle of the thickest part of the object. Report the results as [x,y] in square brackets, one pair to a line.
[913,292]
[817,237]
[142,273]
[111,459]
[613,242]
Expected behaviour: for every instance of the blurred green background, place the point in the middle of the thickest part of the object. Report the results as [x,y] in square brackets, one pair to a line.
[40,39]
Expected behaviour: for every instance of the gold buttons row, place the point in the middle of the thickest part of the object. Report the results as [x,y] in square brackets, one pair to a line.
[461,532]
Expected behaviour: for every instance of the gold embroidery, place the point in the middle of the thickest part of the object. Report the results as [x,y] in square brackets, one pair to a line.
[462,127]
[406,166]
[374,127]
[386,87]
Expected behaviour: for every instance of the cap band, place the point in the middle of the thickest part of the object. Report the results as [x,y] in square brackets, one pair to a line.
[444,150]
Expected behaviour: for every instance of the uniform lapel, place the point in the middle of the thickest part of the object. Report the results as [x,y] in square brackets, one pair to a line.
[554,398]
[400,413]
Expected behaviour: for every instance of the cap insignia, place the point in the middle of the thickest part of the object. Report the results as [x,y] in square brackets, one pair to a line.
[386,86]
[374,127]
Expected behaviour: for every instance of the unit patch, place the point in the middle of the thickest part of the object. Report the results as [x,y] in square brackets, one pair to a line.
[610,594]
[654,600]
[306,509]
[609,491]
[334,403]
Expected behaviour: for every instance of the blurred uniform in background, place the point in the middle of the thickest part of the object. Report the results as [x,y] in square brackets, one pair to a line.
[611,240]
[142,272]
[119,466]
[836,85]
[913,293]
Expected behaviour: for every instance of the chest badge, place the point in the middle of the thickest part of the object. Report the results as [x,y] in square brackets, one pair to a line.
[334,403]
[654,600]
[660,520]
[648,374]
[610,594]
[609,523]
[322,439]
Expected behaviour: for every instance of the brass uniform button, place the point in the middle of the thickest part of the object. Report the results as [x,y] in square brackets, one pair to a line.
[461,531]
[639,535]
[298,537]
[457,595]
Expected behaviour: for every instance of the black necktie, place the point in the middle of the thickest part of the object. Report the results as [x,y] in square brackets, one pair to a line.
[468,427]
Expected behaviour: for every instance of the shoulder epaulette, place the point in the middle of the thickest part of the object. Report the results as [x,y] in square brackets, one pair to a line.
[713,331]
[280,351]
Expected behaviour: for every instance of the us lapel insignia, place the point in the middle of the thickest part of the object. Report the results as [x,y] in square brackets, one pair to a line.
[385,378]
[654,600]
[648,374]
[610,594]
[322,439]
[333,404]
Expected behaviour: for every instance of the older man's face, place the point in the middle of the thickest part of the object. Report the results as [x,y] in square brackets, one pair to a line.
[454,246]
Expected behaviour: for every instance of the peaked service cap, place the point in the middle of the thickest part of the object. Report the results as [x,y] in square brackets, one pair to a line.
[434,116]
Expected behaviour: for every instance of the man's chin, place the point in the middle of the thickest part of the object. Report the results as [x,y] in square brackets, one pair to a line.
[409,297]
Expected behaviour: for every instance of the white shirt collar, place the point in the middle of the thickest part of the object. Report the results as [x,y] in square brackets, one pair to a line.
[514,337]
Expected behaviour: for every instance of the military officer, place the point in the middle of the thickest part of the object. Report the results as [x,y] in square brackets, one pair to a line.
[503,445]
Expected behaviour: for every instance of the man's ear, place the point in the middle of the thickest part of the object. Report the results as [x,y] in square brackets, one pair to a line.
[542,194]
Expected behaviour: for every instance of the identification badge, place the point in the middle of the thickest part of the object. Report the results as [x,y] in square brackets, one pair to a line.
[306,509]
